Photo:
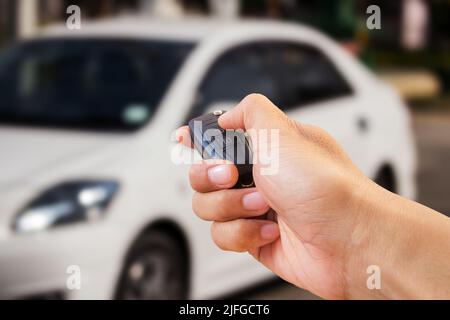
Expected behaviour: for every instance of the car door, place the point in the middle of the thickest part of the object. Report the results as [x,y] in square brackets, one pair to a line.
[234,74]
[238,72]
[302,82]
[300,79]
[314,91]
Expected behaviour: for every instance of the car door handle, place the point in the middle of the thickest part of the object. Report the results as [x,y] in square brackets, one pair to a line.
[362,124]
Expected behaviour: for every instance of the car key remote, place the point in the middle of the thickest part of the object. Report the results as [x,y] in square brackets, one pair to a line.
[213,142]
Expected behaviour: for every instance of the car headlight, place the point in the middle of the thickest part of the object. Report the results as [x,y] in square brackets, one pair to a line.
[66,203]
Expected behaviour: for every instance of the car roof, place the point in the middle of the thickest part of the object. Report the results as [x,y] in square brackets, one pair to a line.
[185,29]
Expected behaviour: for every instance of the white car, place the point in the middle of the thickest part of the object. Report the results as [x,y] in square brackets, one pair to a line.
[92,205]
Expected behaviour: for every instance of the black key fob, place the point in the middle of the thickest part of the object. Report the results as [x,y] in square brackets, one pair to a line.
[213,142]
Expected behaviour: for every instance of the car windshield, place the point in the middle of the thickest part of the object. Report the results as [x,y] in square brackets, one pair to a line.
[95,84]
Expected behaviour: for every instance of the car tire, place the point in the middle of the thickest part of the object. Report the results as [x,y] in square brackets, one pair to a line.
[386,179]
[155,269]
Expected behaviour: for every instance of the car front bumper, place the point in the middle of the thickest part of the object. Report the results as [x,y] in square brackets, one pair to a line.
[57,261]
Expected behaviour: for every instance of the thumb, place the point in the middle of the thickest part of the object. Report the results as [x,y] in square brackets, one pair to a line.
[266,126]
[255,111]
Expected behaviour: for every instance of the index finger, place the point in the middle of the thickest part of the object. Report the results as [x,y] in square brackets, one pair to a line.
[183,136]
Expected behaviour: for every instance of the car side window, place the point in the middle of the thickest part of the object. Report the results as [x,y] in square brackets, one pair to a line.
[8,76]
[307,76]
[290,74]
[237,73]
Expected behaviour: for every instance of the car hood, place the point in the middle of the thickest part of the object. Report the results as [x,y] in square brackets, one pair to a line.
[26,153]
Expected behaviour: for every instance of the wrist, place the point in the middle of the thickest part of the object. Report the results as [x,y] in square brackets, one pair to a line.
[377,244]
[399,239]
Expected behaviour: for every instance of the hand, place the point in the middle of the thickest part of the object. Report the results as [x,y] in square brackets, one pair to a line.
[325,207]
[312,194]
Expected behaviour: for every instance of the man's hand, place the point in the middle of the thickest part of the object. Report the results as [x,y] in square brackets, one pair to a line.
[327,210]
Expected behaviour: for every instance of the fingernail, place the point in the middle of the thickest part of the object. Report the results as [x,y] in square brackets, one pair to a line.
[254,201]
[220,175]
[270,231]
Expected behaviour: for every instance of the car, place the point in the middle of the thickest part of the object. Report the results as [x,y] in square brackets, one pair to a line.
[92,204]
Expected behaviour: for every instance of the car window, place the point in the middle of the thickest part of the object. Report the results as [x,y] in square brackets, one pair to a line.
[7,75]
[94,84]
[240,71]
[290,74]
[119,69]
[307,76]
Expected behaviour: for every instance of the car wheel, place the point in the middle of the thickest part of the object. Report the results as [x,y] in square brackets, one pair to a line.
[154,270]
[386,179]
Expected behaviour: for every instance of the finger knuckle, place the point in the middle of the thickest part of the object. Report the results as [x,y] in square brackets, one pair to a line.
[193,178]
[217,238]
[196,205]
[222,198]
[229,239]
[254,100]
[221,210]
[324,135]
[241,236]
[255,97]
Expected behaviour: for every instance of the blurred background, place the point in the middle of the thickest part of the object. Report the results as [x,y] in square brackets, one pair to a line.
[411,52]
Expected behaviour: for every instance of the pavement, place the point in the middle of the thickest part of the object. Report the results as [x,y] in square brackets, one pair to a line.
[432,133]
